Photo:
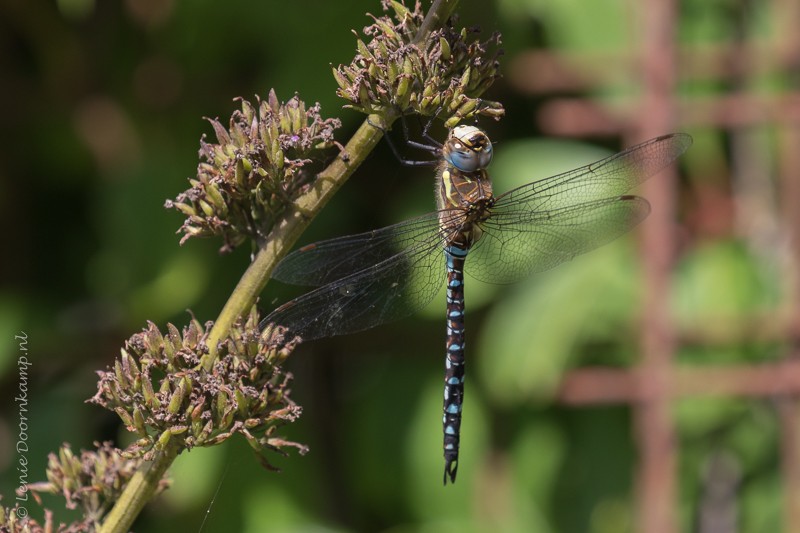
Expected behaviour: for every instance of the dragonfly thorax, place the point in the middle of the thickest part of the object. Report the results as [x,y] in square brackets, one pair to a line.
[462,180]
[468,149]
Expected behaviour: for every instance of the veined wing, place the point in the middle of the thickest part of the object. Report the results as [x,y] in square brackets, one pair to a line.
[326,261]
[395,288]
[542,224]
[516,244]
[612,176]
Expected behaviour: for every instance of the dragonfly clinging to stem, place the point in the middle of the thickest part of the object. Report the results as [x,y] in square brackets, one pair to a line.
[375,277]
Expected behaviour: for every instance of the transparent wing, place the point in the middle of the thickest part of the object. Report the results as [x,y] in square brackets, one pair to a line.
[612,176]
[396,287]
[327,261]
[539,225]
[515,245]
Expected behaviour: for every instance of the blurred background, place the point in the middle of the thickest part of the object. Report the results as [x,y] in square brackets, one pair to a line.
[651,385]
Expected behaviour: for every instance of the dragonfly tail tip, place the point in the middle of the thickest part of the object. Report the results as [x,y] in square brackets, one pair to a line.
[450,471]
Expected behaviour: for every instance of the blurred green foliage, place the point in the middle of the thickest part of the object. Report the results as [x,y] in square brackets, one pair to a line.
[103,106]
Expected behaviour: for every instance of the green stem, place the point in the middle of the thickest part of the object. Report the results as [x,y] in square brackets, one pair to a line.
[139,491]
[283,236]
[440,11]
[291,225]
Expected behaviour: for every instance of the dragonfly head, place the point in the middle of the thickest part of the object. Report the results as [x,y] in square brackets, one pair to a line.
[468,149]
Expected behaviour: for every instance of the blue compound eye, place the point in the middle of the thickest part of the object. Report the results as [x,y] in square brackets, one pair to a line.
[465,161]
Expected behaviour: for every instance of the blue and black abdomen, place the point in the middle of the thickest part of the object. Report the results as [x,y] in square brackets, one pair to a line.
[454,362]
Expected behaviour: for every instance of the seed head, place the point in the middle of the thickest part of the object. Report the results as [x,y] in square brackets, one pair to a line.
[256,167]
[444,74]
[92,481]
[159,391]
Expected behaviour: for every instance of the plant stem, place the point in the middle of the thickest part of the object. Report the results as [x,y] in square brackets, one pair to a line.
[440,11]
[139,490]
[291,225]
[283,236]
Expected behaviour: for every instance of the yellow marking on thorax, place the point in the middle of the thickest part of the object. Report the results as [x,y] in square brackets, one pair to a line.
[448,188]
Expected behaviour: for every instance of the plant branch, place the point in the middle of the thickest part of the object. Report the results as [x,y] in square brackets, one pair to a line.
[440,11]
[291,225]
[139,490]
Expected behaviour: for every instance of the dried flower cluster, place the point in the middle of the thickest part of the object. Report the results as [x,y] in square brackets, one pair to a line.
[445,74]
[256,168]
[92,481]
[15,518]
[159,391]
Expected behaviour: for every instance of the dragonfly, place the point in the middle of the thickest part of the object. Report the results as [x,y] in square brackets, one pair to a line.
[383,275]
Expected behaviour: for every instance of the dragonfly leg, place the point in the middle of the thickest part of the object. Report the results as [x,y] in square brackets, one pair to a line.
[403,161]
[427,127]
[435,147]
